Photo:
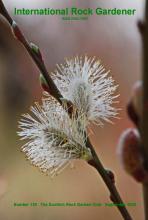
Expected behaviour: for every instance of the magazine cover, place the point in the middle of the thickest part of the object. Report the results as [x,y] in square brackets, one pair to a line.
[73,110]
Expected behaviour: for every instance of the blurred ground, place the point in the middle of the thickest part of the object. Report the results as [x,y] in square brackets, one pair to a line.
[116,41]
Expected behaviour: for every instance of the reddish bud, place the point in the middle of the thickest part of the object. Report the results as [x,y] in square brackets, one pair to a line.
[130,155]
[36,50]
[134,106]
[17,33]
[111,175]
[44,83]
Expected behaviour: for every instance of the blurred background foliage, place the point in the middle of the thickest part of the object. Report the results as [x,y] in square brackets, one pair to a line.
[116,41]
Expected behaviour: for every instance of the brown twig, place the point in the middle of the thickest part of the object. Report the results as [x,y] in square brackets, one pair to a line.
[143,28]
[37,58]
[114,194]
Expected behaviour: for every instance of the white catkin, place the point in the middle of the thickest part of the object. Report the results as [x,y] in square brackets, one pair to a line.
[54,139]
[86,83]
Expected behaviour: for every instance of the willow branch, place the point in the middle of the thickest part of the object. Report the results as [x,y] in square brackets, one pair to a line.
[114,194]
[37,58]
[39,62]
[143,27]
